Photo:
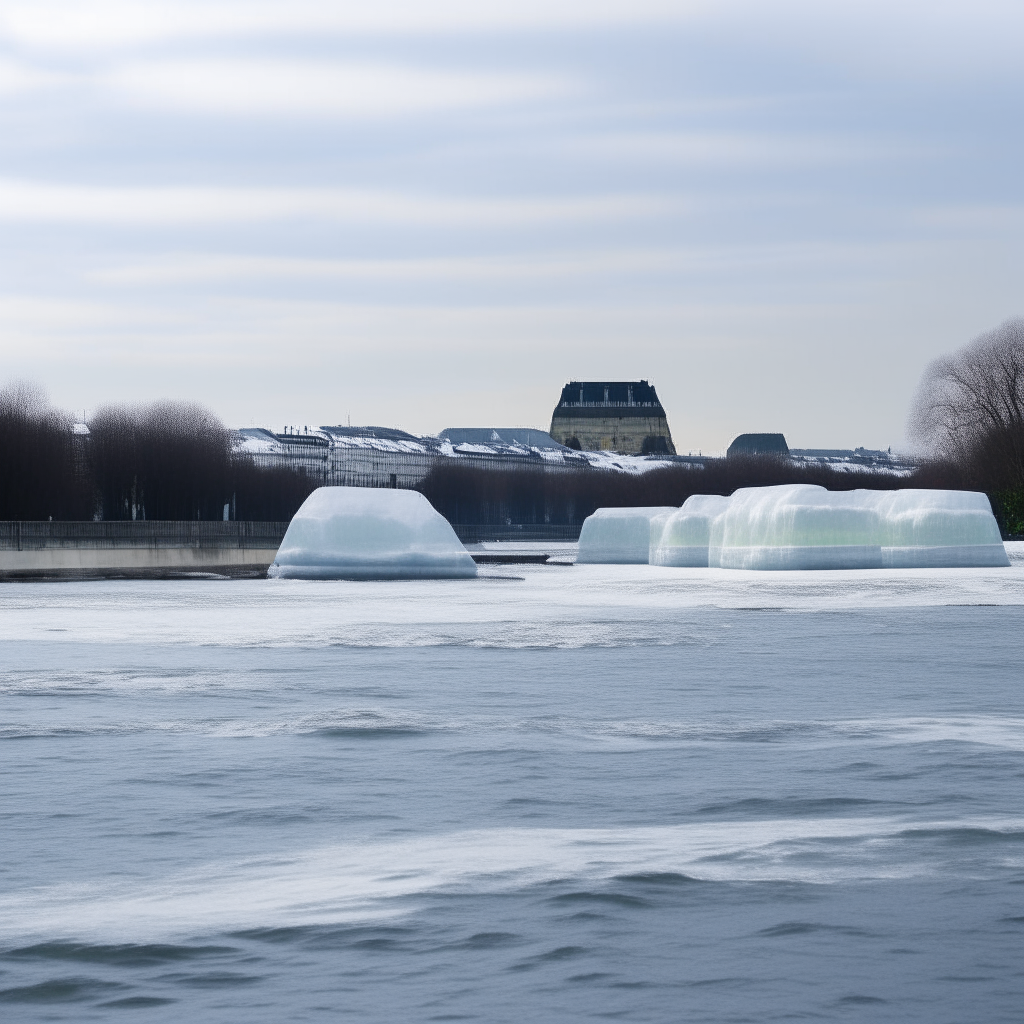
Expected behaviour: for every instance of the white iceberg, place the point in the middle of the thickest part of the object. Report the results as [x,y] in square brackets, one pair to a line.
[370,533]
[797,526]
[803,526]
[682,538]
[619,536]
[939,529]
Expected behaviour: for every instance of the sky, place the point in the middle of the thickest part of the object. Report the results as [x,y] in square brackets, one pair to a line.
[425,215]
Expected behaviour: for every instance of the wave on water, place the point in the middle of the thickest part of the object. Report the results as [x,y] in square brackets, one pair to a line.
[349,883]
[368,723]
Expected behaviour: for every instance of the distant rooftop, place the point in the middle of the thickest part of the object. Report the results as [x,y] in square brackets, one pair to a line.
[528,437]
[383,433]
[759,444]
[628,394]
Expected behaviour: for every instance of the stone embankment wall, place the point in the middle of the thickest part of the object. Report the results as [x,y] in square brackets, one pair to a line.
[38,550]
[43,549]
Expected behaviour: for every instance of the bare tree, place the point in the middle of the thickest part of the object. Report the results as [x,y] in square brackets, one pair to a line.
[168,460]
[969,408]
[42,475]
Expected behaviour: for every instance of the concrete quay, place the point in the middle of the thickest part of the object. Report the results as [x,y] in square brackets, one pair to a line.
[63,549]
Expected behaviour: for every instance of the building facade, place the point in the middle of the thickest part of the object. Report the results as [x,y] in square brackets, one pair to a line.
[384,457]
[617,416]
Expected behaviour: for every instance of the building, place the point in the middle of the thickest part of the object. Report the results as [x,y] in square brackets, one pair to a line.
[525,437]
[853,459]
[384,457]
[618,416]
[759,444]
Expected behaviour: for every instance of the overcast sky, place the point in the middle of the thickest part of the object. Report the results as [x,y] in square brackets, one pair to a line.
[424,215]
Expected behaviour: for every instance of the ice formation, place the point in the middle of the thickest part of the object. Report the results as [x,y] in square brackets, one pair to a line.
[803,526]
[939,529]
[370,533]
[798,526]
[681,537]
[619,535]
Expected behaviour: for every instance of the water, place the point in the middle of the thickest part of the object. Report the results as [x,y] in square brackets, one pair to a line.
[583,793]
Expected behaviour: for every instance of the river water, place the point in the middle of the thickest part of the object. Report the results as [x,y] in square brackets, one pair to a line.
[551,794]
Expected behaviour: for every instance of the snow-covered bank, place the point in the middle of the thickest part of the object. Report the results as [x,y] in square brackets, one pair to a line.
[505,606]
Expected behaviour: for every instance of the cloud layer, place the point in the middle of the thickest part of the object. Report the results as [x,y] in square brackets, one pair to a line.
[779,212]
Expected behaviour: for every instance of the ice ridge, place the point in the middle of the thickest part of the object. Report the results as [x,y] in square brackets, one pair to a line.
[804,526]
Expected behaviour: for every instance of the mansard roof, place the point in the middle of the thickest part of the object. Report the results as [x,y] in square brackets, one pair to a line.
[613,398]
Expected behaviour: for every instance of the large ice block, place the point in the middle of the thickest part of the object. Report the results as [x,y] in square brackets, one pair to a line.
[928,529]
[619,535]
[682,537]
[803,526]
[370,533]
[797,526]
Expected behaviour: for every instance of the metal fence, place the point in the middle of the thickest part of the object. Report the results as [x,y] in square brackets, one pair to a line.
[35,536]
[546,532]
[30,536]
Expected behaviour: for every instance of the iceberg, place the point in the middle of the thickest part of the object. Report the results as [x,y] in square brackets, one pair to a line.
[370,533]
[804,526]
[682,538]
[797,526]
[619,536]
[939,530]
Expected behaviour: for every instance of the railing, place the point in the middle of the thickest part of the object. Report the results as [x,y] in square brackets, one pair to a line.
[29,536]
[474,533]
[611,405]
[36,536]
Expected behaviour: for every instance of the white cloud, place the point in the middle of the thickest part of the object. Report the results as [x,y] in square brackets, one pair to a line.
[27,201]
[200,268]
[103,24]
[17,78]
[975,220]
[940,37]
[257,87]
[530,268]
[754,149]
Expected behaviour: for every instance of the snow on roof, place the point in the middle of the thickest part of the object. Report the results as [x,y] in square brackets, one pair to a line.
[526,437]
[255,441]
[635,464]
[259,441]
[380,444]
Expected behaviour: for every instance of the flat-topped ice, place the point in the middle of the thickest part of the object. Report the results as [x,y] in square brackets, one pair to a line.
[370,533]
[681,538]
[802,526]
[619,536]
[939,529]
[797,526]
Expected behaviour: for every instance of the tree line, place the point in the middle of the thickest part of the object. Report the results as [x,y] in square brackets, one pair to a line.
[166,460]
[174,460]
[968,420]
[468,495]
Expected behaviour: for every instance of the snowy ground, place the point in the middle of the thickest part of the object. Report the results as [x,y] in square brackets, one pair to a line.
[506,606]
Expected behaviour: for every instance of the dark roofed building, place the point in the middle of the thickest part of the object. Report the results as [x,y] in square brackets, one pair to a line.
[618,416]
[759,444]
